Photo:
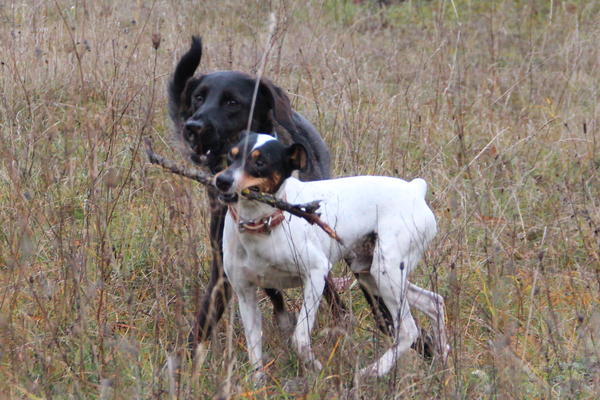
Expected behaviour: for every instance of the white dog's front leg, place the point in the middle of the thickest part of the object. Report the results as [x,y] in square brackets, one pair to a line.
[252,321]
[313,291]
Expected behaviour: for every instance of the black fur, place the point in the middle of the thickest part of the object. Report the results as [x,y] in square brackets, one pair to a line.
[205,120]
[209,112]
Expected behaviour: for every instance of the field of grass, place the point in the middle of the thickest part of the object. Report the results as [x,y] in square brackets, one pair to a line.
[103,257]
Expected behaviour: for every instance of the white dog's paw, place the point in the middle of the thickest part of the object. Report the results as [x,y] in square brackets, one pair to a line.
[296,386]
[310,361]
[314,364]
[259,378]
[442,347]
[307,356]
[376,369]
[367,372]
[444,353]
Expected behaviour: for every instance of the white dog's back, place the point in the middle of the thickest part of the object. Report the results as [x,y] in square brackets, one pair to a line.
[362,205]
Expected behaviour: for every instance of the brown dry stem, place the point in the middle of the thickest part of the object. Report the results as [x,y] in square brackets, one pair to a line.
[306,211]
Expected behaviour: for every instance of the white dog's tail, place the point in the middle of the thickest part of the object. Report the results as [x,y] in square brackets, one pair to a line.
[420,186]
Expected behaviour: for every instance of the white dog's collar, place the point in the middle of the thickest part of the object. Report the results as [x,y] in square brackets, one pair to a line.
[260,225]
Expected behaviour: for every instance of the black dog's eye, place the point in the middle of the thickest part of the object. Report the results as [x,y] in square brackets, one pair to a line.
[232,102]
[259,163]
[199,99]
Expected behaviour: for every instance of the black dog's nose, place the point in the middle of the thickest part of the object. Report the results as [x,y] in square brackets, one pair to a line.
[195,125]
[224,181]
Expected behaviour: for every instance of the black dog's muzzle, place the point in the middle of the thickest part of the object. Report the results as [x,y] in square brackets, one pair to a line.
[199,130]
[205,143]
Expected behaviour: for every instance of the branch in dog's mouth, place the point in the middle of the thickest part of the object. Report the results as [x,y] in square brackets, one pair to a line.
[195,174]
[306,211]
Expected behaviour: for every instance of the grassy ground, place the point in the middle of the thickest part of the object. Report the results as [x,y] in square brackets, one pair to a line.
[103,257]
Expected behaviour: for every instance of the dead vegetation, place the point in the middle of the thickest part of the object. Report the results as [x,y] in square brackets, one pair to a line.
[102,257]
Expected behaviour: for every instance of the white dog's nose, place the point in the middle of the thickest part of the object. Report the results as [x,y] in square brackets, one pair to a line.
[224,181]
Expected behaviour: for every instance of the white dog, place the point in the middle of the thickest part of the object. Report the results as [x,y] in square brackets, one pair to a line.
[264,247]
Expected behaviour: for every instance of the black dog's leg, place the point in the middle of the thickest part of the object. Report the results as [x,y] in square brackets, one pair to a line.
[383,317]
[287,321]
[338,308]
[218,291]
[212,305]
[284,320]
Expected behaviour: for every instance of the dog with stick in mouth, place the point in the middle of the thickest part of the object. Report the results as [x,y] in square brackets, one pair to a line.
[264,247]
[209,112]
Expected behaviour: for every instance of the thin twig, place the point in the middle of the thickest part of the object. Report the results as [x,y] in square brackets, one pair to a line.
[306,211]
[199,176]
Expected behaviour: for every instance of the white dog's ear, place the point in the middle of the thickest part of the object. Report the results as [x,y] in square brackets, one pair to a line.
[297,156]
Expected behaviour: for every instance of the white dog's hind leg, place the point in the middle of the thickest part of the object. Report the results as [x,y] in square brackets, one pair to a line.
[406,334]
[432,304]
[392,261]
[313,291]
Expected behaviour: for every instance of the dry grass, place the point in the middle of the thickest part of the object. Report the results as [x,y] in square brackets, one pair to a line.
[102,257]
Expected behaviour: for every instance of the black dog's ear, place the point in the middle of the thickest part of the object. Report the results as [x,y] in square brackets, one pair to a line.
[185,99]
[297,157]
[278,102]
[183,72]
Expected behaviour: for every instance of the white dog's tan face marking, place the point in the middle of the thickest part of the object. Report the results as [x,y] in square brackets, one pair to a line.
[259,162]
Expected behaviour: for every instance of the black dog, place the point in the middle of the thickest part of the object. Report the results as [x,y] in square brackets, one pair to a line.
[209,113]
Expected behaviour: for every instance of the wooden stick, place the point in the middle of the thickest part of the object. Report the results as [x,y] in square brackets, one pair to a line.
[306,211]
[199,176]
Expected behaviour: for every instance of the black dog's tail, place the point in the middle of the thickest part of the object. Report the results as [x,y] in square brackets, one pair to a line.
[185,69]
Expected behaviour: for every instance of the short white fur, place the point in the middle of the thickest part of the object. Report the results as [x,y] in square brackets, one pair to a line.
[299,254]
[261,139]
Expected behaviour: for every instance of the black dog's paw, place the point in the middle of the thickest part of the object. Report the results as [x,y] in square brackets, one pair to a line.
[286,322]
[424,345]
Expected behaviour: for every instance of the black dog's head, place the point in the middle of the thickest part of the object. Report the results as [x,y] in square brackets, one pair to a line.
[210,111]
[259,162]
